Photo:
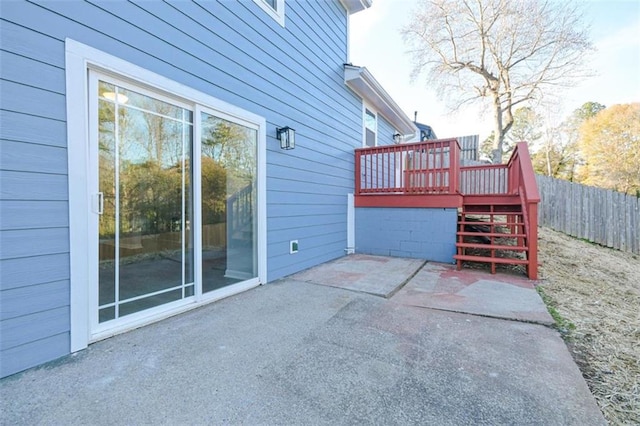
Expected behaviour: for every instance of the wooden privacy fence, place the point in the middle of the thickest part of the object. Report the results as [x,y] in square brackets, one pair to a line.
[469,147]
[598,215]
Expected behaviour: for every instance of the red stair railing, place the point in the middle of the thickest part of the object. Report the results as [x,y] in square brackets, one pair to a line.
[522,181]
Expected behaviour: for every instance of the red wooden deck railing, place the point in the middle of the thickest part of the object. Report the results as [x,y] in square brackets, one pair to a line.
[432,168]
[387,175]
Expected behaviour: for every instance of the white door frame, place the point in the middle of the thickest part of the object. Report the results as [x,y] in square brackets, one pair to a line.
[79,59]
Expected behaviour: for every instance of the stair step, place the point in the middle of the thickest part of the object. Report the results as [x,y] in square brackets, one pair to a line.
[492,199]
[488,213]
[492,247]
[490,234]
[490,259]
[490,223]
[492,207]
[514,203]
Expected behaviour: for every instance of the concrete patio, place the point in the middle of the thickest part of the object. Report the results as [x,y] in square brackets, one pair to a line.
[360,340]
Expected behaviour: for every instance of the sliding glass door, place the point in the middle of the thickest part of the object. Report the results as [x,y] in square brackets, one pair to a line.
[176,216]
[146,251]
[229,227]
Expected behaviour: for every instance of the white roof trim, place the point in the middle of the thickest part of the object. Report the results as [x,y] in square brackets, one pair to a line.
[360,80]
[354,6]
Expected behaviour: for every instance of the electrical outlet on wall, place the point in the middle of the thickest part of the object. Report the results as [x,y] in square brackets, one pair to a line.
[293,246]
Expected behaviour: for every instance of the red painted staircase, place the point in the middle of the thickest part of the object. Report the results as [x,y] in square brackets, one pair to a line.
[498,221]
[492,230]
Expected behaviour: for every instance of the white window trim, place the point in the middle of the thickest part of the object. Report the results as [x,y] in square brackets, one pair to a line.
[365,107]
[277,14]
[79,58]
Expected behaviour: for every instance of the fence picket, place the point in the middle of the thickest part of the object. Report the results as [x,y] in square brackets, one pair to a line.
[602,216]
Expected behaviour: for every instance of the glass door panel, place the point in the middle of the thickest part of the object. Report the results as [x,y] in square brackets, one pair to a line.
[228,171]
[146,248]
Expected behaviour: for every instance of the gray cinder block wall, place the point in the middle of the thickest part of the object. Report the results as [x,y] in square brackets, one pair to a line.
[421,233]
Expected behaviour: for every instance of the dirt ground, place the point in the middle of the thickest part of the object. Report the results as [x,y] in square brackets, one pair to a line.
[597,292]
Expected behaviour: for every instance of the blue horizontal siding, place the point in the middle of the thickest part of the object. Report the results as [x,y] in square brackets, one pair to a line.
[302,198]
[232,84]
[385,131]
[31,100]
[30,271]
[27,157]
[34,258]
[306,180]
[310,153]
[34,353]
[33,186]
[285,264]
[30,44]
[319,230]
[33,242]
[287,233]
[48,77]
[33,214]
[28,328]
[226,49]
[302,222]
[295,209]
[31,129]
[29,300]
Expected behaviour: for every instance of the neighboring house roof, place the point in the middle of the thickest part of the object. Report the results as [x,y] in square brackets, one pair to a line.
[360,80]
[354,6]
[426,131]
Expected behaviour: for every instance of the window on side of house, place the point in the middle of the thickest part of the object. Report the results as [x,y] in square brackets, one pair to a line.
[370,121]
[275,9]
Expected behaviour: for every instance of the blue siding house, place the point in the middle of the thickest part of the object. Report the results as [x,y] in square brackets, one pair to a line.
[157,156]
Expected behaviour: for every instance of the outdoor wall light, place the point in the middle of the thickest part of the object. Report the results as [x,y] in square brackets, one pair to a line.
[287,137]
[397,138]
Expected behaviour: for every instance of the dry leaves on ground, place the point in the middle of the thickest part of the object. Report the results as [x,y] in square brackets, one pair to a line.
[598,290]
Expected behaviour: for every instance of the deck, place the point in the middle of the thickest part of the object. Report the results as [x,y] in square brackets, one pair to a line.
[429,175]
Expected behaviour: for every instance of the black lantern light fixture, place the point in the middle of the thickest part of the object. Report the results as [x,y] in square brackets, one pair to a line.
[397,138]
[287,137]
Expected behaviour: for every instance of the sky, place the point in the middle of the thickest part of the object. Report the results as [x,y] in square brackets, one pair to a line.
[376,43]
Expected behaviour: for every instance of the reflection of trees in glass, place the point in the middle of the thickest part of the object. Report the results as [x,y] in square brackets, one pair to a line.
[162,137]
[107,160]
[150,198]
[214,190]
[150,157]
[233,147]
[151,170]
[228,165]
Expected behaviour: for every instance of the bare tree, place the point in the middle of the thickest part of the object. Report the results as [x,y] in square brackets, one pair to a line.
[506,52]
